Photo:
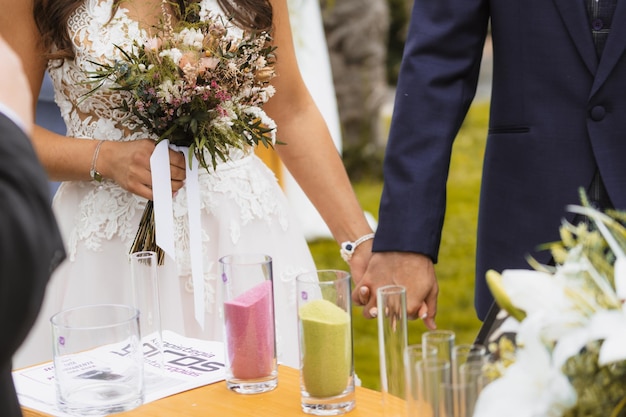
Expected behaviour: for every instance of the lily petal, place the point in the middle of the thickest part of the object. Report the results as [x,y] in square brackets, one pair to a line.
[533,291]
[610,326]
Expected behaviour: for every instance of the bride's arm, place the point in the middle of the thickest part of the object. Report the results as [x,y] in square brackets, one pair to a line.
[70,159]
[310,154]
[127,163]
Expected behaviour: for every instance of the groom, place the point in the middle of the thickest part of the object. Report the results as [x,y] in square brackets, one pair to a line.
[30,244]
[557,123]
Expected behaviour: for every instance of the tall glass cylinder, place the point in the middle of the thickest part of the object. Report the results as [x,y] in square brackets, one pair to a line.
[434,373]
[325,334]
[467,362]
[145,291]
[392,342]
[249,325]
[414,355]
[443,341]
[457,399]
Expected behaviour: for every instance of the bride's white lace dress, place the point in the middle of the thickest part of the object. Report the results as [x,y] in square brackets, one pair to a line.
[243,210]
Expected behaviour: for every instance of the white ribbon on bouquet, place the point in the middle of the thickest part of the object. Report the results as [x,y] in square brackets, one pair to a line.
[164,214]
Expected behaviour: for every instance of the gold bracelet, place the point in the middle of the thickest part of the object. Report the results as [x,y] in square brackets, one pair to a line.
[95,175]
[348,248]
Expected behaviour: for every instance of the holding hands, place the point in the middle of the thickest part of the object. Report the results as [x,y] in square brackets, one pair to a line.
[413,271]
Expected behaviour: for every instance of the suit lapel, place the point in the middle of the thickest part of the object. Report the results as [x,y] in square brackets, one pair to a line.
[614,48]
[575,18]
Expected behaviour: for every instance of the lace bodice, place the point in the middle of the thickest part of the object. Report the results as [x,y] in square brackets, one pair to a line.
[98,39]
[94,115]
[105,209]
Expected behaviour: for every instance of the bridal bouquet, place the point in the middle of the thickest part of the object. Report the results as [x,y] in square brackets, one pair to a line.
[199,83]
[569,357]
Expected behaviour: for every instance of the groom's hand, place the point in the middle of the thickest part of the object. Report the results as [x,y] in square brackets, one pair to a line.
[413,271]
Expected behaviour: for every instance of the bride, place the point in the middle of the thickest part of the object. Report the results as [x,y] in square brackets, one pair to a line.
[103,163]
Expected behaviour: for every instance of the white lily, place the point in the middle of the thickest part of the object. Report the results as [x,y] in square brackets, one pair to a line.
[606,325]
[537,292]
[533,291]
[561,310]
[571,317]
[530,387]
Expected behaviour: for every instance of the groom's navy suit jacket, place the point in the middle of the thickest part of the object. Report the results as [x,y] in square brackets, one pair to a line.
[30,248]
[558,113]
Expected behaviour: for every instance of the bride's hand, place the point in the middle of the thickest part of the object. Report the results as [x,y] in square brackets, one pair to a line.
[413,271]
[128,164]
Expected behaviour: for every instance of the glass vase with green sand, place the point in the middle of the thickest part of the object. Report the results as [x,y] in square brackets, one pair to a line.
[325,334]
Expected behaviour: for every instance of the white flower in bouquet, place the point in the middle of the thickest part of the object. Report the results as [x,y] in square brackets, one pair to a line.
[190,37]
[570,324]
[532,386]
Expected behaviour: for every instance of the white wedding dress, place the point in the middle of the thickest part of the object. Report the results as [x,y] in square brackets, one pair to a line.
[243,210]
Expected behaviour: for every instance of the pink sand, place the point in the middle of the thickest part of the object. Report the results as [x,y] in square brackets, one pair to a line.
[250,332]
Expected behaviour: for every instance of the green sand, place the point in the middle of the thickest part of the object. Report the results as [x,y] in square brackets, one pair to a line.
[327,348]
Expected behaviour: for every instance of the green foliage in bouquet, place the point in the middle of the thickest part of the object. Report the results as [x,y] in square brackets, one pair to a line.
[601,389]
[586,236]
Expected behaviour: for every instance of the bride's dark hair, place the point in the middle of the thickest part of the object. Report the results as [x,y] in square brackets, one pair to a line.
[51,17]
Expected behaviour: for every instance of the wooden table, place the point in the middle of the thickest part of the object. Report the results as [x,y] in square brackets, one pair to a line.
[216,400]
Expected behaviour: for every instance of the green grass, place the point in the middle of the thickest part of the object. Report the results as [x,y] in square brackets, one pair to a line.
[455,270]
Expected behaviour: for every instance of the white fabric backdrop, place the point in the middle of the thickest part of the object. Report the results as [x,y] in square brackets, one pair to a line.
[312,55]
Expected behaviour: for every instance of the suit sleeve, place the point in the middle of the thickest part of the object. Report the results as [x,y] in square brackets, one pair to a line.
[30,244]
[436,85]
